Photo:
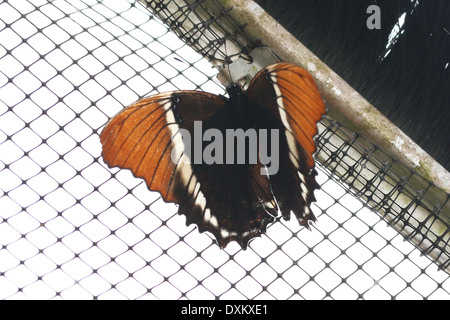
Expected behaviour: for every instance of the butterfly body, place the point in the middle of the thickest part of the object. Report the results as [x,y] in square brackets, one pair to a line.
[238,101]
[232,193]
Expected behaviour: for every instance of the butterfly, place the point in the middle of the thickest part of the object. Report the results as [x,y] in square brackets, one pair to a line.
[234,200]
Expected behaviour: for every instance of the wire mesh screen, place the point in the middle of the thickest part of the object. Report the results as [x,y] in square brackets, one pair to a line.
[72,228]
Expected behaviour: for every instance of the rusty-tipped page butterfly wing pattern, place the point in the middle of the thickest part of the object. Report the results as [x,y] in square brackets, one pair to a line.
[233,201]
[290,94]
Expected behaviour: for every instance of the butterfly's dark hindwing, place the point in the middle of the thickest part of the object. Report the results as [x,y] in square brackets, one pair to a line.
[239,204]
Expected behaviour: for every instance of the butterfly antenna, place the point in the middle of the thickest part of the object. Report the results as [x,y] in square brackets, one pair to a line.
[227,60]
[180,60]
